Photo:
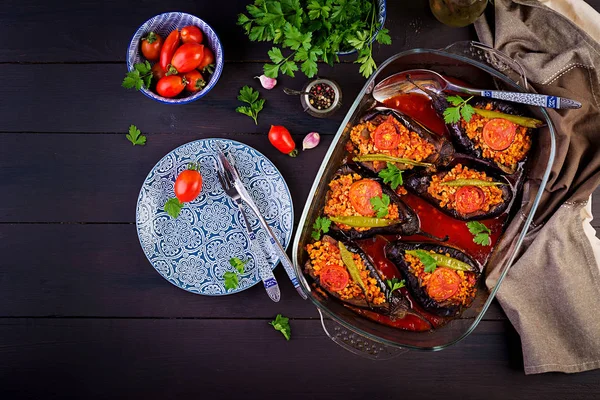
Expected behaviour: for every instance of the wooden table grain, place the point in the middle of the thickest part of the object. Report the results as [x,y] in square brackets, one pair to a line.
[82,312]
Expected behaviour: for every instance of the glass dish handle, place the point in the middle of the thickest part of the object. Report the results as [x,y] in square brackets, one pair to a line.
[357,343]
[493,58]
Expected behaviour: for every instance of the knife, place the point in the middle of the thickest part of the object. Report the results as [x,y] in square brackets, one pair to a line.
[285,261]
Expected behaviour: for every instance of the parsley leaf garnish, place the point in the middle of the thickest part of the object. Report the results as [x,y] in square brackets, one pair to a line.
[313,31]
[321,225]
[141,75]
[231,280]
[480,232]
[428,261]
[173,207]
[394,284]
[282,325]
[391,175]
[135,136]
[461,108]
[250,96]
[380,205]
[238,264]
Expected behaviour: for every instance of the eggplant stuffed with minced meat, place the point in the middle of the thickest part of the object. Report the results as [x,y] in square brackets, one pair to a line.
[441,278]
[388,136]
[361,205]
[463,192]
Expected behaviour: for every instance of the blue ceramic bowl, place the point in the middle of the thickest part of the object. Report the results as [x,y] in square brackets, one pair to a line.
[381,14]
[164,24]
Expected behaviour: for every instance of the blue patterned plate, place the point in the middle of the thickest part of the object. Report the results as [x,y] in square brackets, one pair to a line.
[193,251]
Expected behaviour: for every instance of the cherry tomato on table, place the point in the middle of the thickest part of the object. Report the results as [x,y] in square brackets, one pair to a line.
[281,138]
[186,58]
[195,81]
[151,46]
[208,61]
[191,34]
[188,184]
[361,192]
[170,86]
[168,49]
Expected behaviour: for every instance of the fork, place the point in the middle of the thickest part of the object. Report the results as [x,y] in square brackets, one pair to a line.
[265,273]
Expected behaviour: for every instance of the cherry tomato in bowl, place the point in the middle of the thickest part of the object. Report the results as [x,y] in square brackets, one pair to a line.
[208,61]
[171,86]
[168,49]
[191,34]
[151,46]
[195,81]
[186,58]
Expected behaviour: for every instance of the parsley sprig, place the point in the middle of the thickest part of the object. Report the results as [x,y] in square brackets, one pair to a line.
[428,261]
[461,108]
[250,96]
[321,225]
[232,278]
[391,175]
[282,325]
[380,205]
[173,207]
[480,232]
[313,30]
[135,136]
[394,284]
[141,75]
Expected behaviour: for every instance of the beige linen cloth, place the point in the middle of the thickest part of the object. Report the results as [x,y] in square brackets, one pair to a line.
[552,293]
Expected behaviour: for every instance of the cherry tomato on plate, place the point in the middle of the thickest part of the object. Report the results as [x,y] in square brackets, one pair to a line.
[186,58]
[157,72]
[195,81]
[281,138]
[469,199]
[151,46]
[207,61]
[170,86]
[168,49]
[188,184]
[334,277]
[191,34]
[361,192]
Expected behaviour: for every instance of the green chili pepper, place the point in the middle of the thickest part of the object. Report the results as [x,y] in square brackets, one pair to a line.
[445,261]
[351,266]
[386,158]
[364,222]
[470,182]
[517,119]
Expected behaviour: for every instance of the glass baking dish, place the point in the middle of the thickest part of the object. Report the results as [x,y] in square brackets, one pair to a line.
[483,68]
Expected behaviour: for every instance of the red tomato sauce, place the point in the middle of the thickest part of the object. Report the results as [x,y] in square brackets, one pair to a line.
[419,107]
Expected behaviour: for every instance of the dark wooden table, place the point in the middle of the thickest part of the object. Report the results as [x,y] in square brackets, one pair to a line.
[82,312]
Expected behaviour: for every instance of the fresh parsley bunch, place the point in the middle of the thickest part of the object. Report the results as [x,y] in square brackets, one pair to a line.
[313,30]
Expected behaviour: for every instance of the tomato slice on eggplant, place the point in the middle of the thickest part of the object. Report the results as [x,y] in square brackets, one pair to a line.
[361,193]
[334,278]
[469,199]
[443,284]
[499,133]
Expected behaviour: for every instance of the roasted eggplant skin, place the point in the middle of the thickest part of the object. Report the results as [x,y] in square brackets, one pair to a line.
[395,252]
[443,147]
[353,248]
[409,225]
[459,136]
[419,182]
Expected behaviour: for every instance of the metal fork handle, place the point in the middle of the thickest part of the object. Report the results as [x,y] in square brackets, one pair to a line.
[264,270]
[285,260]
